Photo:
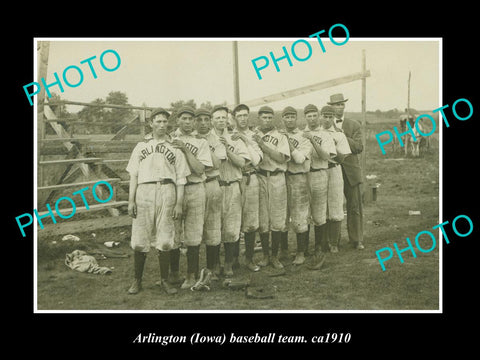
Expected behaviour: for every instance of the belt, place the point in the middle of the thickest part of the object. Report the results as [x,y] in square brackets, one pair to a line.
[292,173]
[227,183]
[162,182]
[313,170]
[193,183]
[269,173]
[332,165]
[211,178]
[248,174]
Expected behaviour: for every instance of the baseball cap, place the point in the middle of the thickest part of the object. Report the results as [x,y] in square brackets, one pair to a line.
[241,107]
[219,107]
[159,111]
[186,109]
[202,111]
[327,109]
[310,108]
[265,110]
[289,110]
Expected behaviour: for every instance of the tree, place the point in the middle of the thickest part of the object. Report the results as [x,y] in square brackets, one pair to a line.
[117,114]
[207,105]
[96,112]
[93,114]
[178,104]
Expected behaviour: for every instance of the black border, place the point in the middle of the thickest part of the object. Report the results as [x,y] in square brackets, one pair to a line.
[113,333]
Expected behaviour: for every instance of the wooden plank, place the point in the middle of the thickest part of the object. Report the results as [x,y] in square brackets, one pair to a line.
[43,49]
[89,225]
[98,149]
[83,209]
[65,120]
[72,140]
[123,131]
[72,153]
[71,147]
[89,140]
[70,161]
[307,89]
[113,106]
[66,186]
[113,174]
[115,161]
[108,123]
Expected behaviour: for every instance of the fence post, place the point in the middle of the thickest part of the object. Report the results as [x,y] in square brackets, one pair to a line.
[142,115]
[43,48]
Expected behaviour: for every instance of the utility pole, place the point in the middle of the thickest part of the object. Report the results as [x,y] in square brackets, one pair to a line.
[236,85]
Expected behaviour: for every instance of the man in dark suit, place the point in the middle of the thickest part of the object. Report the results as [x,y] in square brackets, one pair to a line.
[352,173]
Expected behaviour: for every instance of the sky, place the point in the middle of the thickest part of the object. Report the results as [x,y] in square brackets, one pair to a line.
[156,72]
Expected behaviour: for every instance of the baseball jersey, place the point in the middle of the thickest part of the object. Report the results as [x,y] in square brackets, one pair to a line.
[277,141]
[325,140]
[300,156]
[228,171]
[340,140]
[153,160]
[216,148]
[256,154]
[199,148]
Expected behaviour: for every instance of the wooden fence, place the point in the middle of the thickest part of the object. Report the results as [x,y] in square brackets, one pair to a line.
[80,161]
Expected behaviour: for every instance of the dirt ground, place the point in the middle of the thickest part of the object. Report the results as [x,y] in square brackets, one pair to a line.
[350,280]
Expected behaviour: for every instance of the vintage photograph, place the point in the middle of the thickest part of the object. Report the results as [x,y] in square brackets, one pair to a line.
[237,174]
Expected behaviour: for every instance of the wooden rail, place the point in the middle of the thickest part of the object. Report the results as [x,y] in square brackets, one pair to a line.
[71,161]
[83,209]
[79,184]
[113,106]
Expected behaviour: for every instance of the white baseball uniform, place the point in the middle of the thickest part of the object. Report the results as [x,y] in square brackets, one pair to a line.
[158,166]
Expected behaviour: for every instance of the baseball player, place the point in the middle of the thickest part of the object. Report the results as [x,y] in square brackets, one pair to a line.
[335,178]
[197,153]
[298,197]
[230,177]
[249,184]
[323,151]
[213,207]
[158,172]
[273,189]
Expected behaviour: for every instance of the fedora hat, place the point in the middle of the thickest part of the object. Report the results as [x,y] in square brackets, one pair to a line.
[336,98]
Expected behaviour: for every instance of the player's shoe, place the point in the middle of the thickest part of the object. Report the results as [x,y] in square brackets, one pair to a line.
[276,263]
[299,259]
[333,249]
[189,282]
[264,262]
[167,287]
[136,287]
[252,266]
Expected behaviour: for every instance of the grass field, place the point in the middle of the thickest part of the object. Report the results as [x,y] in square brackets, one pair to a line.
[350,279]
